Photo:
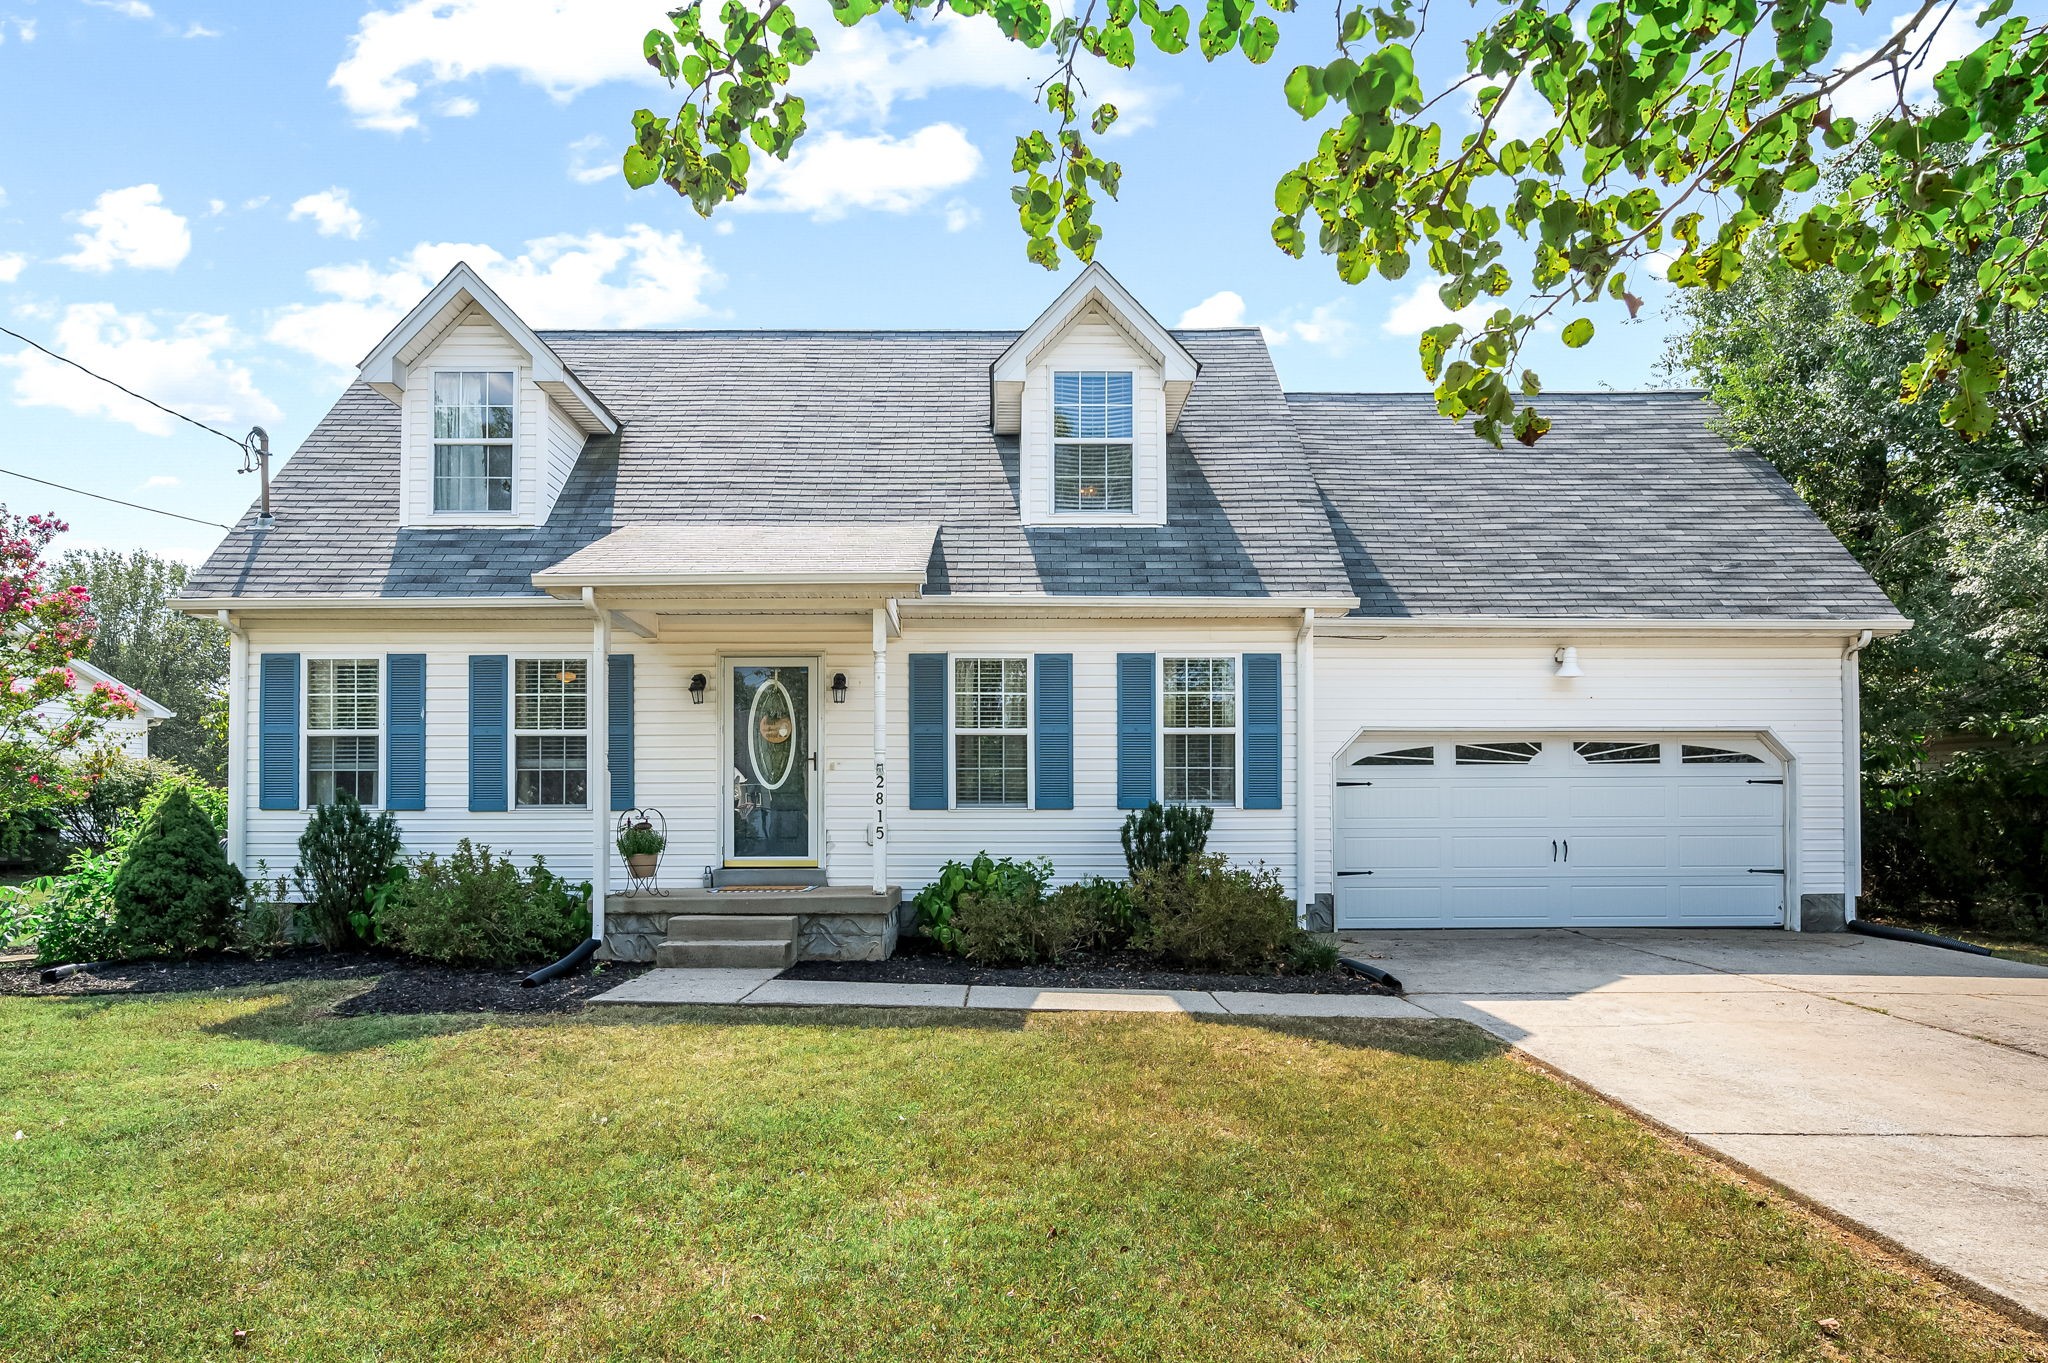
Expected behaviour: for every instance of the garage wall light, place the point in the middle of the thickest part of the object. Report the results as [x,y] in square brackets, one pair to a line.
[1567,660]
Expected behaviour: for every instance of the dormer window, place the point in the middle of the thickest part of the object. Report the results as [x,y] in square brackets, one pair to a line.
[472,441]
[1091,453]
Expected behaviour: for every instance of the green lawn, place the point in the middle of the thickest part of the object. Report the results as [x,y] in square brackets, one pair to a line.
[718,1184]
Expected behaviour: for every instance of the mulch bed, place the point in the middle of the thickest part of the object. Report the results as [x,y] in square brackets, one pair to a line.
[919,961]
[398,986]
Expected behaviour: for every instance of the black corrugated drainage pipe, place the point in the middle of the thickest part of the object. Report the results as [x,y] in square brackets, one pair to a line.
[65,972]
[1925,939]
[562,967]
[1373,973]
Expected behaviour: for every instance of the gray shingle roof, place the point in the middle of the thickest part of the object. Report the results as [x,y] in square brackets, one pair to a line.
[1631,506]
[804,427]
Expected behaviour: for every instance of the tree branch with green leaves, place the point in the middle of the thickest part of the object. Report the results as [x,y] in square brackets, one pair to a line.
[1680,130]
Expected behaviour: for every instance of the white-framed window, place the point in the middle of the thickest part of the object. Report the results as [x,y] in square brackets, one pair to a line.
[1091,431]
[473,440]
[550,732]
[344,729]
[1199,754]
[991,731]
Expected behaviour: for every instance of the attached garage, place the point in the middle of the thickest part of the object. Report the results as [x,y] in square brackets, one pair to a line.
[1559,830]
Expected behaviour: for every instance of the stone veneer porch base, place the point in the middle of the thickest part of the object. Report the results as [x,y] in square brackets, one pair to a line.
[833,922]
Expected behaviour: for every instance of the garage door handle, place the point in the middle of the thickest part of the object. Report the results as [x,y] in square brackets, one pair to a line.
[1767,870]
[1567,849]
[1553,849]
[1354,873]
[1766,781]
[1342,784]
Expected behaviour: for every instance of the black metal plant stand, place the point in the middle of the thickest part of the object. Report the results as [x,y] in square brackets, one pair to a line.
[654,819]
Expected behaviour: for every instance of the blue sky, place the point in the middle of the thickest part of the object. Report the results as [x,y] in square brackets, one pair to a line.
[224,205]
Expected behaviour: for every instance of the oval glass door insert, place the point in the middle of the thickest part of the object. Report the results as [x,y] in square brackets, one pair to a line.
[771,723]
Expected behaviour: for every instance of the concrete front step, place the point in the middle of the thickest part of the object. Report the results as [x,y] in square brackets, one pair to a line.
[728,927]
[727,955]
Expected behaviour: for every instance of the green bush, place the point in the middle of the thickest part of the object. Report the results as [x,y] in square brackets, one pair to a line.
[1018,924]
[32,840]
[76,920]
[176,892]
[1208,914]
[937,903]
[1106,905]
[471,908]
[342,853]
[116,787]
[1165,835]
[1309,954]
[267,921]
[1965,847]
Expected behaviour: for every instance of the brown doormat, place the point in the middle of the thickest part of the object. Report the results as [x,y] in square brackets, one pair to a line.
[763,889]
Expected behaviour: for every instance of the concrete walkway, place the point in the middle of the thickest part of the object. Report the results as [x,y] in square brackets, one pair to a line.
[1902,1087]
[761,987]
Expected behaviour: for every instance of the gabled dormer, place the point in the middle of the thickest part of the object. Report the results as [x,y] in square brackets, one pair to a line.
[1091,391]
[493,421]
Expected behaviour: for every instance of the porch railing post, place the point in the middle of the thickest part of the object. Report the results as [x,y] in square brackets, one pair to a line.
[878,828]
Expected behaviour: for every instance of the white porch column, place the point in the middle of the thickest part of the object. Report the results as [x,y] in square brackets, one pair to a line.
[878,826]
[598,761]
[239,705]
[1305,782]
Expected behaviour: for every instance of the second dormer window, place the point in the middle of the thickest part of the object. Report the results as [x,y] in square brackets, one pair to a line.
[1091,432]
[472,441]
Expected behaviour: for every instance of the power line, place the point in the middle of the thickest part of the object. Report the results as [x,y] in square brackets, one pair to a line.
[102,497]
[190,421]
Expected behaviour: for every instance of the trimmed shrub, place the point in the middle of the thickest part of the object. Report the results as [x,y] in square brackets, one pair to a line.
[1165,835]
[472,908]
[176,892]
[1018,924]
[1208,914]
[342,853]
[938,902]
[1106,905]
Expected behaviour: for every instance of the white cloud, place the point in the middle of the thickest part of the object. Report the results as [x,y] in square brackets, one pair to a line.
[639,278]
[590,162]
[567,46]
[12,263]
[195,29]
[1324,326]
[332,214]
[130,9]
[129,227]
[1225,309]
[457,106]
[1864,100]
[190,368]
[216,207]
[1420,309]
[161,480]
[1523,116]
[832,173]
[24,29]
[961,215]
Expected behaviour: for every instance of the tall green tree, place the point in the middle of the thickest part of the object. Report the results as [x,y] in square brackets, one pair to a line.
[173,658]
[1685,127]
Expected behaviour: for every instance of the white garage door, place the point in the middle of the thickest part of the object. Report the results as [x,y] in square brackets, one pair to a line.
[1520,830]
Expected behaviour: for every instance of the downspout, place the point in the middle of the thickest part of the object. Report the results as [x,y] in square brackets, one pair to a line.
[238,739]
[1852,775]
[597,706]
[1304,768]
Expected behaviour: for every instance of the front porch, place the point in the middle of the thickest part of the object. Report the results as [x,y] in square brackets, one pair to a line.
[753,925]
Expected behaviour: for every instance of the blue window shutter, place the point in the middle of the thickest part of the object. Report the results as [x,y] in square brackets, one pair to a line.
[1055,730]
[277,732]
[1261,731]
[1137,729]
[490,703]
[927,731]
[405,731]
[618,717]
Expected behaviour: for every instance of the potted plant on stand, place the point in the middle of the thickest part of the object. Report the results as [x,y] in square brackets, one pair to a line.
[641,844]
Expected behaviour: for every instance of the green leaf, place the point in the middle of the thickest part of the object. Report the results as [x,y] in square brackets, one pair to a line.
[1577,332]
[641,170]
[1259,39]
[1304,91]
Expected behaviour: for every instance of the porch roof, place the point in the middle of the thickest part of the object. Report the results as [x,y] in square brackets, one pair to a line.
[834,555]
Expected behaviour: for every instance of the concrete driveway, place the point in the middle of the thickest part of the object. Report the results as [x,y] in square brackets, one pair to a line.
[1903,1087]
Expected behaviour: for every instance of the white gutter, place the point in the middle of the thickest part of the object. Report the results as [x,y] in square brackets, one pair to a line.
[1304,767]
[982,602]
[1852,774]
[597,707]
[208,605]
[238,740]
[1375,627]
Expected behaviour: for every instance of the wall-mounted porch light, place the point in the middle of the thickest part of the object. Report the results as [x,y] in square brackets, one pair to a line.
[839,688]
[1567,660]
[698,684]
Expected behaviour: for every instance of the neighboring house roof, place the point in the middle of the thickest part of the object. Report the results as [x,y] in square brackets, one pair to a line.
[1631,506]
[89,676]
[794,428]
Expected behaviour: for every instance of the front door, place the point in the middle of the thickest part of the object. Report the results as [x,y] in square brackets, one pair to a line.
[774,764]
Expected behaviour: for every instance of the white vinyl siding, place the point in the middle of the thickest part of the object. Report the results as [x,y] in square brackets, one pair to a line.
[991,731]
[343,729]
[1198,748]
[550,732]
